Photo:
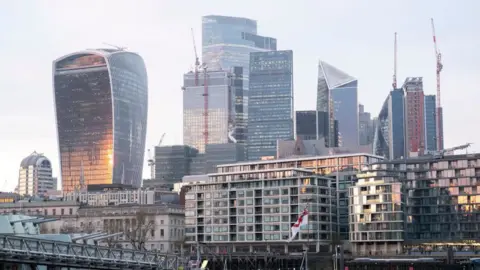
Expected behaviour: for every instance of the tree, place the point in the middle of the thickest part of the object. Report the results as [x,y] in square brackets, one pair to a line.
[112,242]
[141,230]
[87,226]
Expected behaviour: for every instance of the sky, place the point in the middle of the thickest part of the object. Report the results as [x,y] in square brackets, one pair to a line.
[354,36]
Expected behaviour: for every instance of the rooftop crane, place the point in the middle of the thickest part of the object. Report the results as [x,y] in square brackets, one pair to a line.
[197,61]
[115,46]
[151,160]
[394,84]
[441,153]
[439,109]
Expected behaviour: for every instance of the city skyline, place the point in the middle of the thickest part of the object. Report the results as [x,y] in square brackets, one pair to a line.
[32,94]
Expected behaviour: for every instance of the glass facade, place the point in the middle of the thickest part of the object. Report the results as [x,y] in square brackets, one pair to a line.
[381,138]
[337,96]
[430,123]
[226,118]
[310,125]
[172,163]
[101,101]
[270,107]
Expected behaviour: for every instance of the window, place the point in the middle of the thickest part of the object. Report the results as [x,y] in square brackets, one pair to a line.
[70,211]
[162,233]
[62,211]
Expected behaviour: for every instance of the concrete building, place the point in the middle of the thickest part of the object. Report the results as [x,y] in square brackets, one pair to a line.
[341,168]
[337,95]
[101,104]
[270,102]
[377,208]
[247,208]
[414,116]
[35,175]
[441,201]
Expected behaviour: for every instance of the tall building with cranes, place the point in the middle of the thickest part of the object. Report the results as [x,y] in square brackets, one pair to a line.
[270,106]
[222,121]
[101,104]
[414,115]
[337,94]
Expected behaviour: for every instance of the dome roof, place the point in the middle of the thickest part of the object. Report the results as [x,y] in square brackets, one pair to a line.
[34,159]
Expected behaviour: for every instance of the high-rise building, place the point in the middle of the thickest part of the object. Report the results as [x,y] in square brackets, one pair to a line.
[220,92]
[35,175]
[101,99]
[270,106]
[228,41]
[310,125]
[430,123]
[365,126]
[414,115]
[172,163]
[337,95]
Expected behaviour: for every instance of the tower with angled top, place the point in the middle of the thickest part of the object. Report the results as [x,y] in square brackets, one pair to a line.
[337,96]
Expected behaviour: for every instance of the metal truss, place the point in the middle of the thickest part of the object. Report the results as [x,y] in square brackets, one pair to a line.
[35,251]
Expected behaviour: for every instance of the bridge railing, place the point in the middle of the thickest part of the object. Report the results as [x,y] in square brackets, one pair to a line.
[18,247]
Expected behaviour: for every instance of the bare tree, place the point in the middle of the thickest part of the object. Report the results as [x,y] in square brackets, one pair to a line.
[87,226]
[141,230]
[111,242]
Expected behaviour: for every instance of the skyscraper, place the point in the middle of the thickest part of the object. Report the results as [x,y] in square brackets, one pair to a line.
[430,123]
[365,126]
[337,95]
[223,98]
[35,175]
[310,125]
[414,115]
[101,99]
[228,41]
[270,106]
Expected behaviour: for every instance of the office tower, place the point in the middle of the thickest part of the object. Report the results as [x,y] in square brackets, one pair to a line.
[414,115]
[213,111]
[270,106]
[430,123]
[389,135]
[101,99]
[35,175]
[337,95]
[310,125]
[228,41]
[365,126]
[172,163]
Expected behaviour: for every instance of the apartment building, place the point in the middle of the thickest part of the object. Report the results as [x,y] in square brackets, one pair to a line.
[249,210]
[376,219]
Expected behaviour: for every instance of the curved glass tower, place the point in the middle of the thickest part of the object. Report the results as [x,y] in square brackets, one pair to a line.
[101,99]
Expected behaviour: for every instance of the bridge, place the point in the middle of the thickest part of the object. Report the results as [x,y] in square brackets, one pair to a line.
[52,254]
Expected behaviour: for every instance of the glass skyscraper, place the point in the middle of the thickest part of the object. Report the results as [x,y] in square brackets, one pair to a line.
[101,99]
[270,107]
[430,123]
[337,95]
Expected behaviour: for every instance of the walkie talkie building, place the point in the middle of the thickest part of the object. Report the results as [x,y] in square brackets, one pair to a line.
[101,99]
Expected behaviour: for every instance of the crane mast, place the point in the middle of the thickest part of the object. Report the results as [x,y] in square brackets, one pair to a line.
[197,61]
[439,109]
[394,84]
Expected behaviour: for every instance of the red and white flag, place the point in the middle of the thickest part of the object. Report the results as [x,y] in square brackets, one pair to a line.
[302,220]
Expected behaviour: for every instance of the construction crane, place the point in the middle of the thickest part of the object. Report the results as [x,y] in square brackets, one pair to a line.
[439,109]
[394,83]
[115,46]
[197,61]
[151,159]
[441,153]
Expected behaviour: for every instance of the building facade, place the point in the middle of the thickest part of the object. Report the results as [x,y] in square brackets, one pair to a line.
[172,163]
[414,115]
[377,207]
[341,168]
[365,126]
[430,123]
[101,99]
[220,95]
[337,95]
[311,125]
[35,175]
[251,209]
[270,106]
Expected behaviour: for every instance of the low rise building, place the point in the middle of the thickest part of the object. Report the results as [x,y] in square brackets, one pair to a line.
[252,209]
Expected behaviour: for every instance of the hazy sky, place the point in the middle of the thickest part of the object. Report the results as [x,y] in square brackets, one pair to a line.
[355,36]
